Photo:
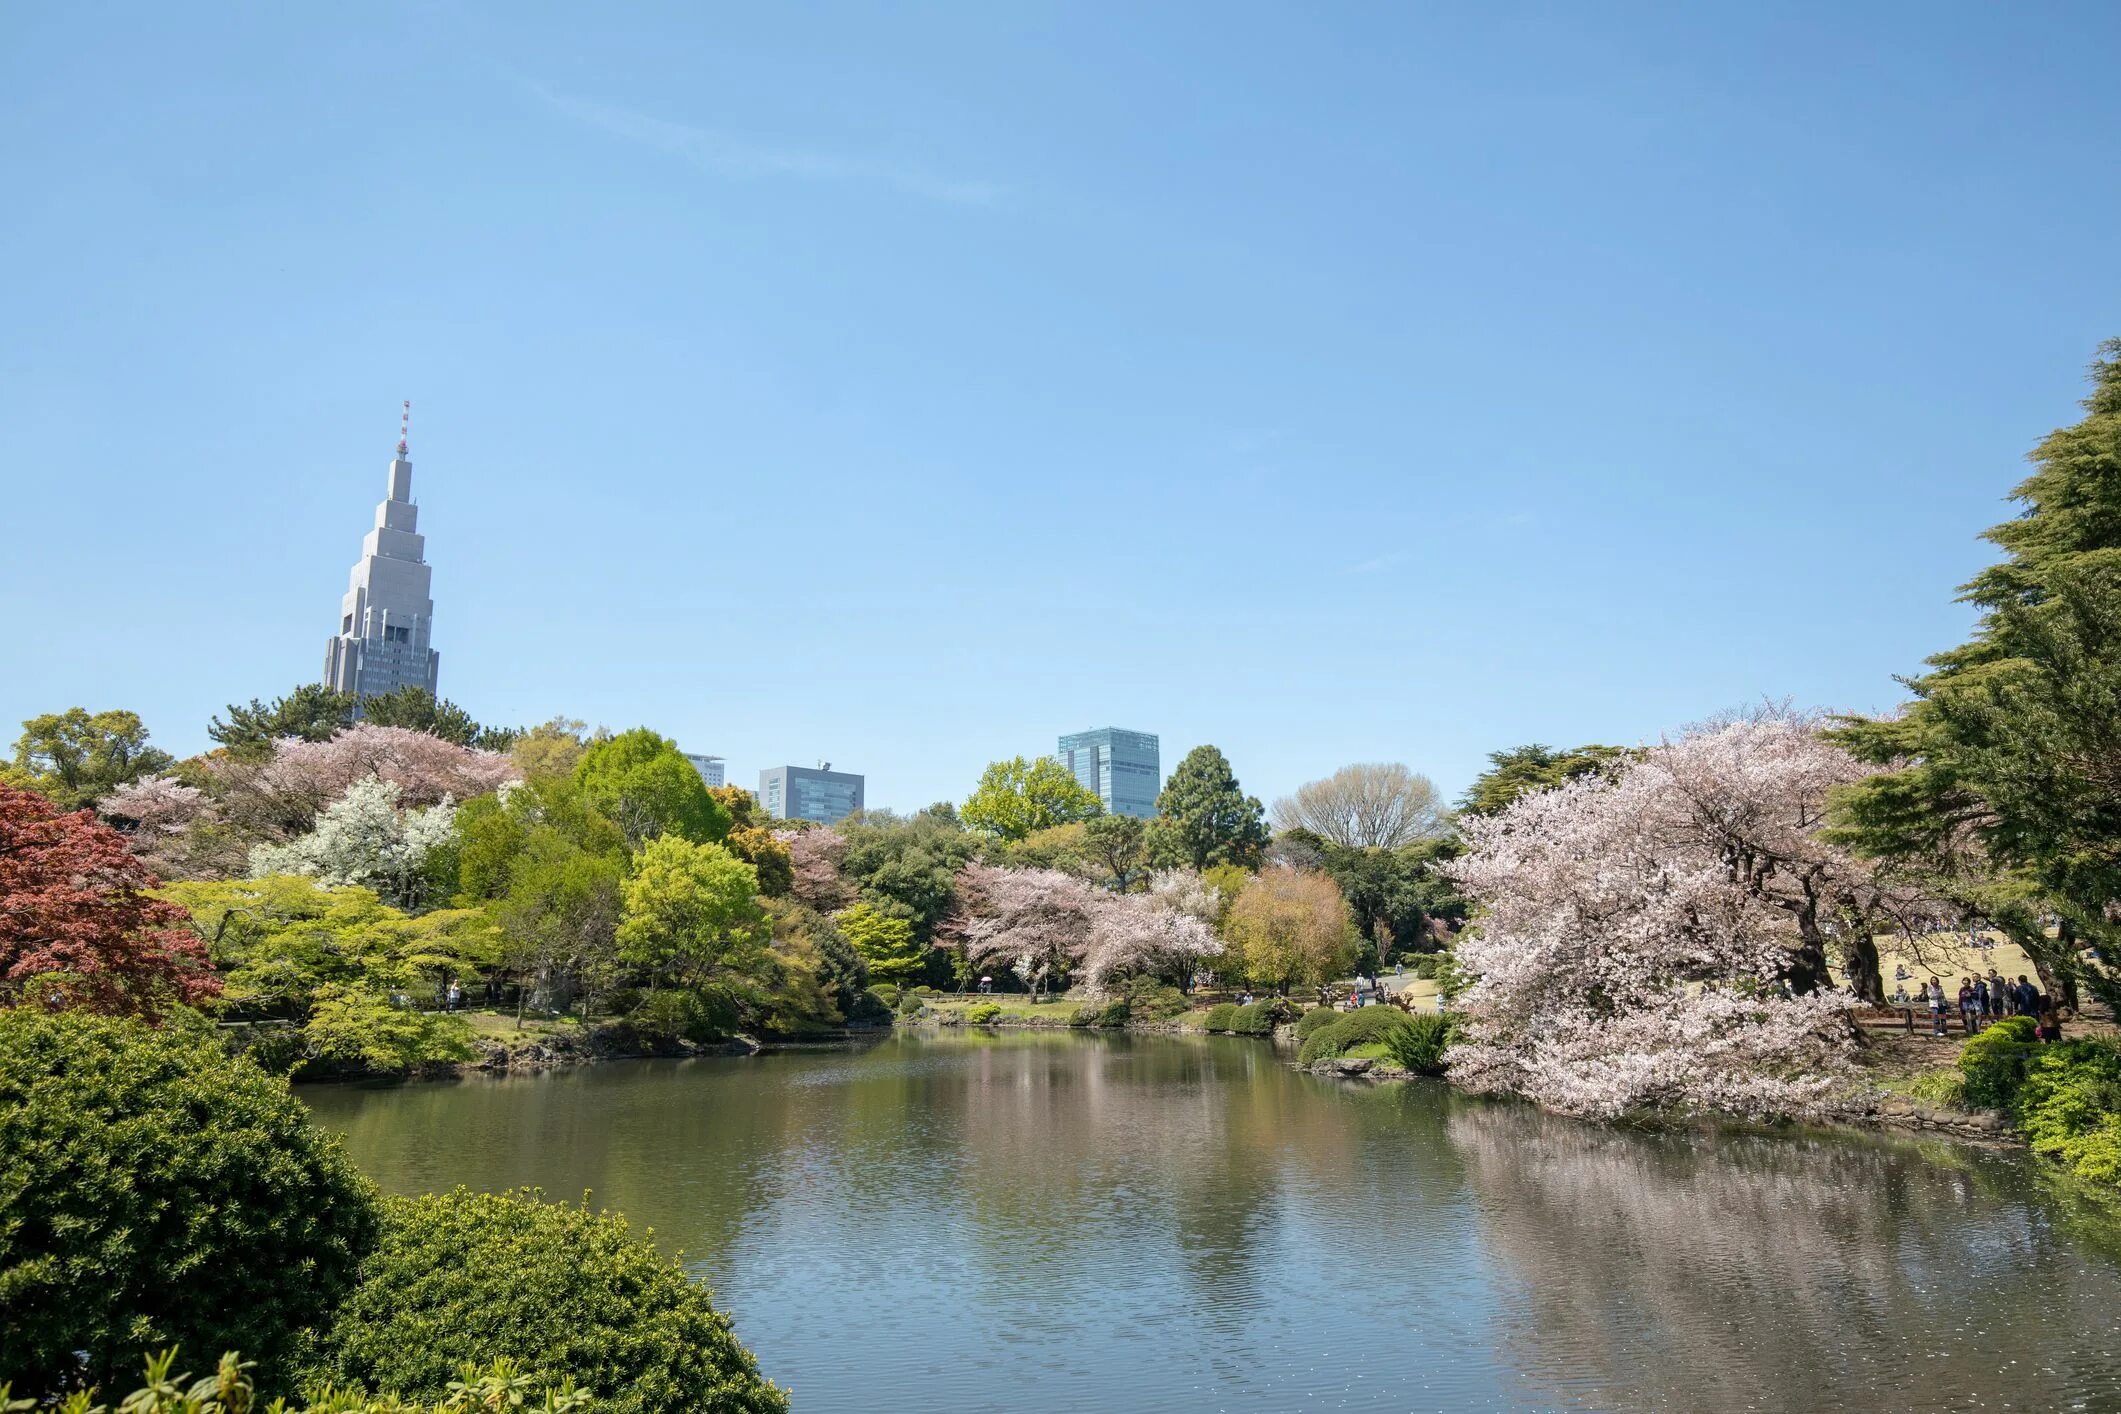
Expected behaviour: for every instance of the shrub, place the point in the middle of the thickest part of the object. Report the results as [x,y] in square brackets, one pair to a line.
[910,1002]
[1254,1019]
[1220,1017]
[1994,1063]
[1418,1045]
[1151,1000]
[229,1390]
[1085,1015]
[2069,1106]
[1352,1029]
[562,1290]
[357,1028]
[1423,965]
[886,993]
[156,1190]
[983,1013]
[1311,1020]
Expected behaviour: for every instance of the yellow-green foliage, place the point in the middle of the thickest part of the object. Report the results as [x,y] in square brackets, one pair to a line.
[2064,1096]
[1313,1019]
[499,1386]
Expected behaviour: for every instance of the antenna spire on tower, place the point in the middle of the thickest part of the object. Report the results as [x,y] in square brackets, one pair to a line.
[404,426]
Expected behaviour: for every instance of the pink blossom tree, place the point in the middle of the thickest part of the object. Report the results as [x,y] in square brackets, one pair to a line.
[814,860]
[1049,927]
[1659,940]
[280,797]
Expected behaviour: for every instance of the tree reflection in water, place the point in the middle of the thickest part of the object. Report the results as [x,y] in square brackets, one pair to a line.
[1736,1271]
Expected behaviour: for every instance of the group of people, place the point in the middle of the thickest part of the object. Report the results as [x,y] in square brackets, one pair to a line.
[1983,1000]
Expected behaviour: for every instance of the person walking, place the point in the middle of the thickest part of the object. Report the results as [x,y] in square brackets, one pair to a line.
[1935,993]
[1969,1015]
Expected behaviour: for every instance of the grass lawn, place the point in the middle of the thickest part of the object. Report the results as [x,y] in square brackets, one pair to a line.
[501,1025]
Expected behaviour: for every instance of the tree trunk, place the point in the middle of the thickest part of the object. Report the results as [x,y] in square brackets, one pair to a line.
[1865,974]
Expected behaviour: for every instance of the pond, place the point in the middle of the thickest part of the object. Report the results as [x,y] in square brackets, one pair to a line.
[1056,1222]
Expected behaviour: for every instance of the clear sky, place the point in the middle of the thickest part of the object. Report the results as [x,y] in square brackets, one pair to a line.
[908,386]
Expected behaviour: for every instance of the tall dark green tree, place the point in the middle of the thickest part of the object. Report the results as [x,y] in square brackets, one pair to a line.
[2005,779]
[312,712]
[1525,769]
[1204,818]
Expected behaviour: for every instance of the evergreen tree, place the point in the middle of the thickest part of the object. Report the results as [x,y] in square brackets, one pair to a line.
[2007,785]
[1203,818]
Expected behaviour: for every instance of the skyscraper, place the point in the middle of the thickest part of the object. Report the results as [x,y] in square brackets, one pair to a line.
[709,767]
[387,614]
[1122,767]
[800,793]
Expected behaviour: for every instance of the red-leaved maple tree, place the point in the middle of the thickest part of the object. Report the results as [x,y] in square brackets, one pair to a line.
[76,925]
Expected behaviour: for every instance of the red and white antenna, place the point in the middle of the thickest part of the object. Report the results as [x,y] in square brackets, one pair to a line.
[404,426]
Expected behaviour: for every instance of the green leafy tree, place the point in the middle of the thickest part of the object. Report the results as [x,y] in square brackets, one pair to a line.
[359,1028]
[1117,849]
[1203,818]
[551,749]
[644,784]
[1290,928]
[2004,787]
[561,1290]
[691,914]
[75,758]
[1017,797]
[156,1190]
[908,867]
[885,943]
[1396,896]
[312,712]
[1524,769]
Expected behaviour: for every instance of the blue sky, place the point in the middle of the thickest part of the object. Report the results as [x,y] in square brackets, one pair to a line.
[907,386]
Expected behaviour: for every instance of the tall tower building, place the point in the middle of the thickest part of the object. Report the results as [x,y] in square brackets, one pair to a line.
[1120,766]
[387,615]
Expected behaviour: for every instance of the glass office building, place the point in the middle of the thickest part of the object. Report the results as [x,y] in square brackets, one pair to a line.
[1122,767]
[806,793]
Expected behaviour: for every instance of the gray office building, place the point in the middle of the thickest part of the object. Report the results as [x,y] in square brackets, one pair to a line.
[387,615]
[810,793]
[1124,768]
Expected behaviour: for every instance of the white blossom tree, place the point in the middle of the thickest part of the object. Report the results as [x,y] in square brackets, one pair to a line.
[1048,927]
[1658,940]
[363,838]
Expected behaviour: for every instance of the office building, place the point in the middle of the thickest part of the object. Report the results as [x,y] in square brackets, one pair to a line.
[1123,768]
[709,767]
[388,613]
[810,793]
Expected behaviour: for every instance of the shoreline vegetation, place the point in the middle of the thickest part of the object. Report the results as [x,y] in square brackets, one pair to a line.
[1718,922]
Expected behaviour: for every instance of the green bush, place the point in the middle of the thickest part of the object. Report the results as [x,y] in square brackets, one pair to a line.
[562,1290]
[671,1015]
[1419,1044]
[983,1013]
[1084,1015]
[230,1390]
[1352,1029]
[2069,1106]
[356,1028]
[1151,1000]
[156,1190]
[910,1002]
[1994,1063]
[1220,1017]
[885,993]
[1423,965]
[1254,1019]
[1311,1020]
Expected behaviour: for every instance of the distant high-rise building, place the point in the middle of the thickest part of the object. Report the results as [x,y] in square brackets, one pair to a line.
[387,614]
[810,793]
[709,767]
[1124,768]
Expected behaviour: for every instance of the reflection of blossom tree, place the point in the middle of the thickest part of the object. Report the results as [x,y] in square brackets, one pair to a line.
[1674,1271]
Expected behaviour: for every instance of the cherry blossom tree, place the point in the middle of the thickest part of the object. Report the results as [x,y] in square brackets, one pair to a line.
[1049,927]
[155,806]
[364,839]
[814,858]
[281,796]
[1657,940]
[77,926]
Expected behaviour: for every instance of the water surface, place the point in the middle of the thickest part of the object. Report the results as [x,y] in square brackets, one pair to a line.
[1051,1221]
